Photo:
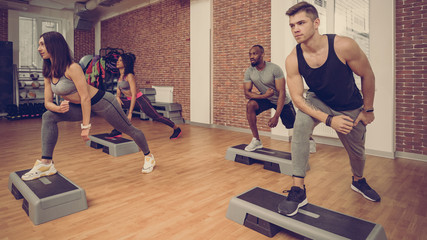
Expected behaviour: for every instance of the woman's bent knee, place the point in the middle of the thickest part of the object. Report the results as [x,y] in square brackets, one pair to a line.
[48,116]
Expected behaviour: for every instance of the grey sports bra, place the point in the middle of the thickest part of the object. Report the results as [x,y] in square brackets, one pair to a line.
[123,85]
[63,87]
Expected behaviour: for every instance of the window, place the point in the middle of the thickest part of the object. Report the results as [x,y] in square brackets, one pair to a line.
[30,29]
[322,11]
[352,20]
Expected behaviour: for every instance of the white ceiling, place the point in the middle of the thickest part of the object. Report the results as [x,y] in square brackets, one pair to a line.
[56,4]
[106,7]
[53,4]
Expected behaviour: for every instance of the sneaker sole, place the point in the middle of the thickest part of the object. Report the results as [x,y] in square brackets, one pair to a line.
[176,136]
[41,175]
[148,170]
[251,150]
[358,191]
[301,204]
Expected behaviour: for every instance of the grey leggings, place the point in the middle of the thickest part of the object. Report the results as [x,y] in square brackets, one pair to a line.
[354,142]
[107,107]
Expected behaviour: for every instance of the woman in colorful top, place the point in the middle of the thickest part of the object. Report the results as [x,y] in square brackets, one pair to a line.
[134,99]
[65,78]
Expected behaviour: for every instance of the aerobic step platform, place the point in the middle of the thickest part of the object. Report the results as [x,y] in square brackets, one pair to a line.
[168,110]
[257,210]
[148,91]
[162,106]
[47,198]
[115,146]
[273,160]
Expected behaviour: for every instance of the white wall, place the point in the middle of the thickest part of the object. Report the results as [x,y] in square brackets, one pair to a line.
[380,138]
[282,44]
[97,37]
[200,64]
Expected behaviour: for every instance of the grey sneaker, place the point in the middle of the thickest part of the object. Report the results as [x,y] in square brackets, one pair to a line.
[254,145]
[296,198]
[362,187]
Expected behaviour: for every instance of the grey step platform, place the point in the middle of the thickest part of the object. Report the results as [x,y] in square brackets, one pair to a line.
[167,106]
[47,198]
[177,120]
[174,118]
[148,91]
[142,115]
[273,160]
[167,114]
[152,98]
[115,147]
[257,209]
[170,114]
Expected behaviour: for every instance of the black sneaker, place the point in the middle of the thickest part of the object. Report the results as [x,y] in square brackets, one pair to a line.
[362,187]
[176,133]
[114,134]
[296,199]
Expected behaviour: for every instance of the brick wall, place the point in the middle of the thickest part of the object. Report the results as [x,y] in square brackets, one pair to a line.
[3,24]
[84,43]
[237,25]
[411,76]
[159,36]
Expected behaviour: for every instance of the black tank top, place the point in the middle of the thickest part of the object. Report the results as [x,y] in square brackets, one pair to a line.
[333,82]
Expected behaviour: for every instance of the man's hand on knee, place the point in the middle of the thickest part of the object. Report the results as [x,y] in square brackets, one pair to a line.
[342,124]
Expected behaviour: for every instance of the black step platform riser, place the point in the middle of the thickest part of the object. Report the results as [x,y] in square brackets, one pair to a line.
[249,161]
[273,160]
[261,226]
[311,221]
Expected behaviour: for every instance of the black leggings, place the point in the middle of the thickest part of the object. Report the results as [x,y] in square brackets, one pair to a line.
[143,103]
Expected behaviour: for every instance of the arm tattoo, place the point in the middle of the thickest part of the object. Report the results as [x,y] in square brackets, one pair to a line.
[309,104]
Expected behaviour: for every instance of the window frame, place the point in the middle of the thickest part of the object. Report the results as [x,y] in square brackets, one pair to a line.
[36,62]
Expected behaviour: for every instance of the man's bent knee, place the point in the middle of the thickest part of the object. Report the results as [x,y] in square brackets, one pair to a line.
[252,106]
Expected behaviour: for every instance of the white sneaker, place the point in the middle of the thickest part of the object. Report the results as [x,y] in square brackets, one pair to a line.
[254,145]
[149,164]
[39,170]
[312,146]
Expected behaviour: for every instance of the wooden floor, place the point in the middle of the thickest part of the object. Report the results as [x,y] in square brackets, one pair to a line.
[187,195]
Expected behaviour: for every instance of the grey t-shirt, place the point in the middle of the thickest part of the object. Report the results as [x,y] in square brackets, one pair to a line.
[265,79]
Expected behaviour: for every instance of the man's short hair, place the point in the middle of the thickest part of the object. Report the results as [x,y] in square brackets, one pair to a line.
[309,9]
[260,47]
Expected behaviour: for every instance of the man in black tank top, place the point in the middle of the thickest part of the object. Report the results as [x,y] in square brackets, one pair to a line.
[327,64]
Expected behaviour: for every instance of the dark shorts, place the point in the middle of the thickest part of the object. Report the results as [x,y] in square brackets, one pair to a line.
[287,115]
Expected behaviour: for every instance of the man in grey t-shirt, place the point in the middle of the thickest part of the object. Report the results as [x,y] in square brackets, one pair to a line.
[269,79]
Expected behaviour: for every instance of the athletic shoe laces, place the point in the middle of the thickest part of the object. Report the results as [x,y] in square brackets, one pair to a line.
[294,194]
[363,184]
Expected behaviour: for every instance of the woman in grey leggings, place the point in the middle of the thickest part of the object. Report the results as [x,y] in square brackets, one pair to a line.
[65,78]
